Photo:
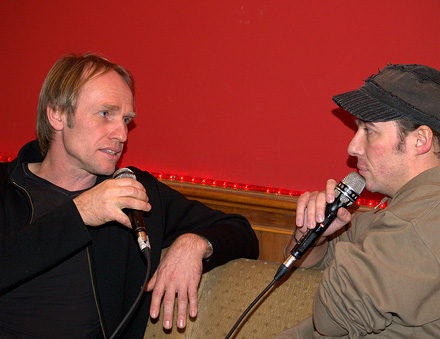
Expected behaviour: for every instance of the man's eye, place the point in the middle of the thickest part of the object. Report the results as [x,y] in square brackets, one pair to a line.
[128,119]
[103,113]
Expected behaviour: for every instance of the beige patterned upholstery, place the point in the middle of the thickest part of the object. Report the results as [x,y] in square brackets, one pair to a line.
[226,291]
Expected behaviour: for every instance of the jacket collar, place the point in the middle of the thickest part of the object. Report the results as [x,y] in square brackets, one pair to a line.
[30,152]
[428,177]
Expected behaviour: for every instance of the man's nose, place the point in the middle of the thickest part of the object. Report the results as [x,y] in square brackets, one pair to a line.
[120,131]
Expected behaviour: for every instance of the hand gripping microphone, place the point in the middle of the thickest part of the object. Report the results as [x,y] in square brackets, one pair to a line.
[347,192]
[137,222]
[135,216]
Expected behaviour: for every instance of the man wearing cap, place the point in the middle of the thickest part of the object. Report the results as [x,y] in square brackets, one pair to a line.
[382,272]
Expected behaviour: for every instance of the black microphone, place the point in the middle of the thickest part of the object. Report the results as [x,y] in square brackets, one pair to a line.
[347,192]
[135,216]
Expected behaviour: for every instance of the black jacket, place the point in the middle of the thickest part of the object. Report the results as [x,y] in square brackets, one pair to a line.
[29,247]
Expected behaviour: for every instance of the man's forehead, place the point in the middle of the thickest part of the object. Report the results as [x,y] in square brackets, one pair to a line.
[360,123]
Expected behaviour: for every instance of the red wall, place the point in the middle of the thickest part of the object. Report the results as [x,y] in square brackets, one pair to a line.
[230,90]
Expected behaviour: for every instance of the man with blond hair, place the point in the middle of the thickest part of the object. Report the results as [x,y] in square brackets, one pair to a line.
[69,262]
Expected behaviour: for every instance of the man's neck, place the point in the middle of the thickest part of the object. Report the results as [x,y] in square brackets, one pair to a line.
[71,180]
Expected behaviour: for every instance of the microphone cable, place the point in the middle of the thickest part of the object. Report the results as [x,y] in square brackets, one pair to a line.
[282,271]
[147,253]
[137,223]
[250,307]
[347,192]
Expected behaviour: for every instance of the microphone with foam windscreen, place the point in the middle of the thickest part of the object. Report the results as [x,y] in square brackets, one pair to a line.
[347,192]
[135,216]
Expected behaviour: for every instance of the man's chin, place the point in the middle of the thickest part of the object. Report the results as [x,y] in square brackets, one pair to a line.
[105,171]
[372,187]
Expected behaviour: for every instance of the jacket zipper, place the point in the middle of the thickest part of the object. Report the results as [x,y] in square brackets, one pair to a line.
[29,199]
[94,294]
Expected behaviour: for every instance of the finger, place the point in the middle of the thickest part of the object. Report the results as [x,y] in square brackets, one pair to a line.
[122,218]
[330,190]
[128,182]
[193,301]
[182,306]
[126,187]
[156,299]
[133,203]
[151,284]
[311,211]
[344,215]
[301,206]
[320,207]
[168,307]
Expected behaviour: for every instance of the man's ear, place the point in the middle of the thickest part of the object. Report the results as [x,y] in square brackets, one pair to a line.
[55,118]
[425,139]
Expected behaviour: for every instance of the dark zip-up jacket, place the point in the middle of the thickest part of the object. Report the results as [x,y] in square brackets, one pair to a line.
[29,247]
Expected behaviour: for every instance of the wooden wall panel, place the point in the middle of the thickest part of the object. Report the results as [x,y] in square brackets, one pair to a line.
[272,216]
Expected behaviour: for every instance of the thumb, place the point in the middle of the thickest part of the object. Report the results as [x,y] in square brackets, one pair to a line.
[344,215]
[151,283]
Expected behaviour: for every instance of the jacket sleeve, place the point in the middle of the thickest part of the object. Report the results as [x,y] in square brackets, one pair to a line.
[30,248]
[230,234]
[387,275]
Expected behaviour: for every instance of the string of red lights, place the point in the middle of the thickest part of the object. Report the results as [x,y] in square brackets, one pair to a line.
[365,199]
[5,159]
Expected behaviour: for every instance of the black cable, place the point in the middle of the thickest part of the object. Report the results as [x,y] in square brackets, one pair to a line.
[249,308]
[147,253]
[281,272]
[347,192]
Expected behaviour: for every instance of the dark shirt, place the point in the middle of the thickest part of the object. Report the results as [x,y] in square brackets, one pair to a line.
[63,304]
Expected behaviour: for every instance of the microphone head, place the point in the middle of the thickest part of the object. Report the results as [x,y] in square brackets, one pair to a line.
[351,187]
[124,173]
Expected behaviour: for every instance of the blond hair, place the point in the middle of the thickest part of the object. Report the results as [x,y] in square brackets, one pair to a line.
[62,86]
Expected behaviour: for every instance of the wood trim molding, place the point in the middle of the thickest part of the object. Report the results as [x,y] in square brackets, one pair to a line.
[272,216]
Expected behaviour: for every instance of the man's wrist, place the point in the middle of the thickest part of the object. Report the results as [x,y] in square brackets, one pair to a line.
[210,249]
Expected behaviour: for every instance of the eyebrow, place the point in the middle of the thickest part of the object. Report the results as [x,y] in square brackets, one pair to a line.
[113,108]
[360,122]
[131,115]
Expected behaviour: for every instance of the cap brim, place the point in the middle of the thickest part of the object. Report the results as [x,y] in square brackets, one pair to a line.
[364,107]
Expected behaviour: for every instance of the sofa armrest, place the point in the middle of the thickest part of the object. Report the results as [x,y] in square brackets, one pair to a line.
[226,291]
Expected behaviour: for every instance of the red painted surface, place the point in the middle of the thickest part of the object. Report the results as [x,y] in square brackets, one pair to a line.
[238,91]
